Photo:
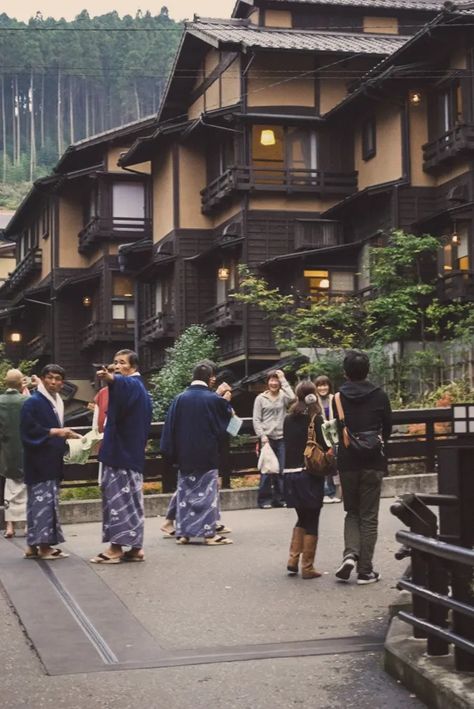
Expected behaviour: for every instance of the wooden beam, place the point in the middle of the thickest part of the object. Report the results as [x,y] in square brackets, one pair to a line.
[225,62]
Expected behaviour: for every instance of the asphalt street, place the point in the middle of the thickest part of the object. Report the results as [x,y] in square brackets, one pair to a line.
[200,599]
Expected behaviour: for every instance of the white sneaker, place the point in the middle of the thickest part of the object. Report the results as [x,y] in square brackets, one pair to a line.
[336,499]
[328,500]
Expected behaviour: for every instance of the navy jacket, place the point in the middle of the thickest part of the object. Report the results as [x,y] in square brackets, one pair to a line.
[43,454]
[195,425]
[128,424]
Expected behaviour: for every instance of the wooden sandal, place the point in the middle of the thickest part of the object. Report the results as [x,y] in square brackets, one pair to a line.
[105,559]
[218,541]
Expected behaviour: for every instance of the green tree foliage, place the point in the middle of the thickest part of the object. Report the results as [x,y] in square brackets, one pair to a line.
[194,345]
[63,81]
[25,366]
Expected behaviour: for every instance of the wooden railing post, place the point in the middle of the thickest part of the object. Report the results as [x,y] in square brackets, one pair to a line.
[430,447]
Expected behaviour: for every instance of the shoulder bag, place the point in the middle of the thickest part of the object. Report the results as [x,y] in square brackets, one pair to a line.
[317,462]
[365,445]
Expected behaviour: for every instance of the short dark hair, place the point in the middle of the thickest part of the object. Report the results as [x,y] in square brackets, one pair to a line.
[204,371]
[356,365]
[132,357]
[323,379]
[52,369]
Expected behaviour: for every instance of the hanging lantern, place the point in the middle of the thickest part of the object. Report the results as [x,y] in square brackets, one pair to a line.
[87,301]
[223,273]
[324,283]
[267,137]
[415,98]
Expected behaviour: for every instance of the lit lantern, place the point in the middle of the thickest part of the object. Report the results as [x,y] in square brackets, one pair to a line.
[87,301]
[267,137]
[324,283]
[415,98]
[223,274]
[15,337]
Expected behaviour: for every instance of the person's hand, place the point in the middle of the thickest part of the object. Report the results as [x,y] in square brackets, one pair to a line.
[227,396]
[64,433]
[330,453]
[223,389]
[34,380]
[264,440]
[90,406]
[72,434]
[280,374]
[104,375]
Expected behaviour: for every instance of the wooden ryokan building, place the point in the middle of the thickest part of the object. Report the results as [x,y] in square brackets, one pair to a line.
[290,138]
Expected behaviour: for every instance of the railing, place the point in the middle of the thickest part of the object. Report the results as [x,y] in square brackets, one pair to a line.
[160,325]
[115,330]
[441,575]
[240,460]
[131,228]
[27,267]
[458,286]
[289,180]
[449,144]
[223,315]
[38,346]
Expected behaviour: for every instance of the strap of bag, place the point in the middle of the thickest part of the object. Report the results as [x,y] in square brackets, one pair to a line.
[340,413]
[340,410]
[311,432]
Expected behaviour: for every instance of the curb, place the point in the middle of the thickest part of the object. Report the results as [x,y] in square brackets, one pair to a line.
[79,511]
[433,679]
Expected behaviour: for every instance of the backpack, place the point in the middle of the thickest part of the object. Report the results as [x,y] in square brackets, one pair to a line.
[365,445]
[316,460]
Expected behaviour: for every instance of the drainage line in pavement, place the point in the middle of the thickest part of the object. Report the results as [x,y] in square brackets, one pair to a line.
[93,635]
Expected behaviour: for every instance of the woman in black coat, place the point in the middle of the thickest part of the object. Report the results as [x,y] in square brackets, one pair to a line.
[303,491]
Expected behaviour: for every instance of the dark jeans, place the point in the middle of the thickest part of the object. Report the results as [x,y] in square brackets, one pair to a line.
[329,487]
[270,489]
[308,519]
[361,493]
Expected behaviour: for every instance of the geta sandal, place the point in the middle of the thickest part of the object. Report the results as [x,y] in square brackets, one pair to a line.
[105,559]
[182,540]
[218,541]
[222,529]
[130,556]
[52,555]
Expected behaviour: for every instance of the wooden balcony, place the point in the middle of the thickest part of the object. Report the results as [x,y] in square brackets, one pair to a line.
[457,286]
[287,181]
[112,331]
[38,347]
[455,141]
[226,314]
[28,267]
[156,327]
[115,229]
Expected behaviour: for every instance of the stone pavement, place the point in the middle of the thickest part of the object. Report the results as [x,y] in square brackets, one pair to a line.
[189,628]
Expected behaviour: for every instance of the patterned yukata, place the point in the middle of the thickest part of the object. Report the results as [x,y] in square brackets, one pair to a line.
[197,504]
[123,518]
[43,514]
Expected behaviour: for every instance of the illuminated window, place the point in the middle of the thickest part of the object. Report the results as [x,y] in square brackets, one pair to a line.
[318,283]
[123,307]
[122,286]
[276,148]
[462,256]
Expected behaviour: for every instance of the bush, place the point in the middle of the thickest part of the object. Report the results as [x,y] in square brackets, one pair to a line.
[194,345]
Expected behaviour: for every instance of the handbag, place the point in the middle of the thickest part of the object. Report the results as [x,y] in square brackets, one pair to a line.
[365,445]
[316,460]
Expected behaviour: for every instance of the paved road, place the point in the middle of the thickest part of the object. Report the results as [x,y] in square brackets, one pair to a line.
[199,599]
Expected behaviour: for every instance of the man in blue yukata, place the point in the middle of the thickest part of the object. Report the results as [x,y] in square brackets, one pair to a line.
[44,443]
[122,454]
[195,425]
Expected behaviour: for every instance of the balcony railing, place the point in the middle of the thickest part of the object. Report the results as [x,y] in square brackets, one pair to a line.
[457,286]
[291,180]
[30,265]
[449,144]
[120,228]
[156,327]
[38,346]
[223,315]
[111,331]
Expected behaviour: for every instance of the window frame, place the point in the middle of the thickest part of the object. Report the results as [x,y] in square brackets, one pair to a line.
[369,138]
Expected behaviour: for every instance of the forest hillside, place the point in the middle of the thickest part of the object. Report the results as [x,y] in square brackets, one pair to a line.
[63,81]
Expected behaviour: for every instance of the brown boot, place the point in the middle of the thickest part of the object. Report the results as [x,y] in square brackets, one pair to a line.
[309,551]
[296,547]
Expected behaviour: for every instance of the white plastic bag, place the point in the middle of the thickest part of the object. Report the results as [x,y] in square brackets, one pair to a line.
[267,460]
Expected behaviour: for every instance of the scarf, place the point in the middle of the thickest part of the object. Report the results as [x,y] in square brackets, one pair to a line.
[55,401]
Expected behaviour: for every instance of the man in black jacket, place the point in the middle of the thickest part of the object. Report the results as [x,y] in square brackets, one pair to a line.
[364,408]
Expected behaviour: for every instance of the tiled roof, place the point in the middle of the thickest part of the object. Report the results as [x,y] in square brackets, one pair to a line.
[237,32]
[389,4]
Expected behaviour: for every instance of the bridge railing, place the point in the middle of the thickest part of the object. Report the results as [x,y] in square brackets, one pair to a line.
[417,433]
[441,574]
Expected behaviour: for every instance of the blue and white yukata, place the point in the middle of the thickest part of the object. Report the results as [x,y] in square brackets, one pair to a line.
[195,426]
[123,456]
[43,467]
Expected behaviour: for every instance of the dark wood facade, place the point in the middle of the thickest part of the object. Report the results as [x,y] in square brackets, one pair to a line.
[290,138]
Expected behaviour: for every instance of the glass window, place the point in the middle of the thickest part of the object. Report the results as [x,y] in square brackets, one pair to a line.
[318,283]
[123,311]
[342,282]
[448,257]
[369,140]
[128,205]
[462,261]
[158,298]
[301,149]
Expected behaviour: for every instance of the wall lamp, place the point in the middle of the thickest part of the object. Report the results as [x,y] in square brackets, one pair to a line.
[15,337]
[415,98]
[223,273]
[267,137]
[87,301]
